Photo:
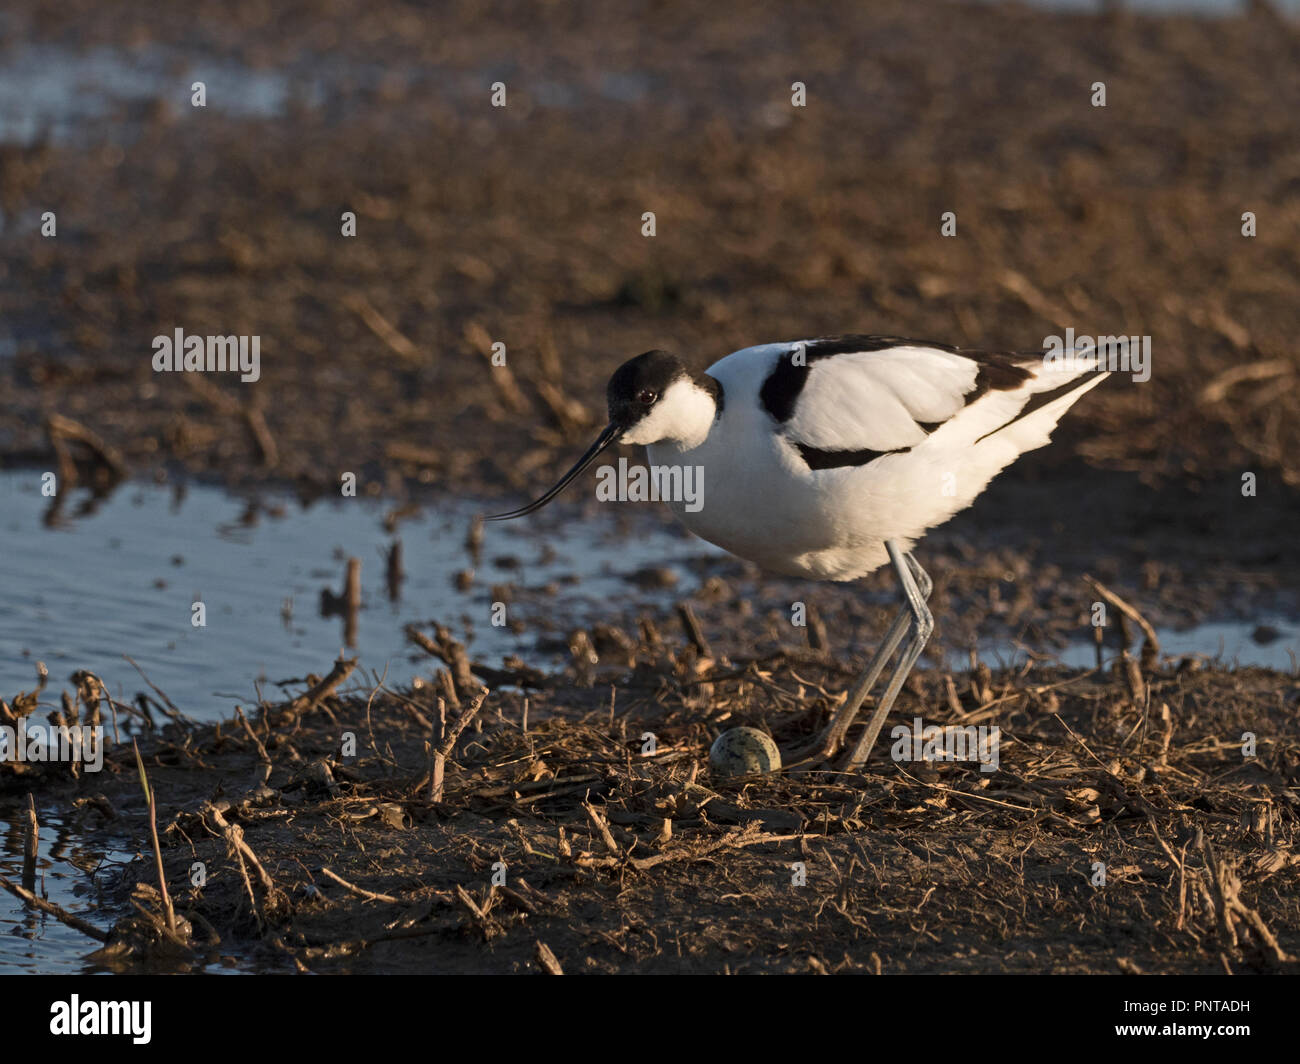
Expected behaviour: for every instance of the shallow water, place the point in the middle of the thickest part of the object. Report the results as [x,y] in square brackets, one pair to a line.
[123,580]
[51,90]
[67,870]
[105,92]
[1223,642]
[1226,643]
[68,93]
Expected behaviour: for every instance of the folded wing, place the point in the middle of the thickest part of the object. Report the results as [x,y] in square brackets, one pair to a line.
[846,401]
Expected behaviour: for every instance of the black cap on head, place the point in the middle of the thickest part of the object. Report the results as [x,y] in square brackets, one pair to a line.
[632,393]
[639,382]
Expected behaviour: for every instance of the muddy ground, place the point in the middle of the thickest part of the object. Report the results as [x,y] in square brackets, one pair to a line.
[606,858]
[524,225]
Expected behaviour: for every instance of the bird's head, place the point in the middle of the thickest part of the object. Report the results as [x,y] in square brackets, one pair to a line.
[652,398]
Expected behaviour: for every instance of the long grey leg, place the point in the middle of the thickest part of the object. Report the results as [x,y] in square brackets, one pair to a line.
[832,738]
[923,582]
[922,626]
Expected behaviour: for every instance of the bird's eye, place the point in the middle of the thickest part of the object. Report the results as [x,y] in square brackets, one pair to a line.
[645,397]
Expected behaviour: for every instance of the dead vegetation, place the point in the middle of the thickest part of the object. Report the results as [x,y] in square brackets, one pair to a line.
[575,827]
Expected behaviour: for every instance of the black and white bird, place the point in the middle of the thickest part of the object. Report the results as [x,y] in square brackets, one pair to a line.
[828,458]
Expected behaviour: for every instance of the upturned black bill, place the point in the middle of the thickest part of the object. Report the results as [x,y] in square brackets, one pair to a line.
[608,436]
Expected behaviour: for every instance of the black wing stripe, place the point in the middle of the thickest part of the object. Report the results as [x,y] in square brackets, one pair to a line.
[781,389]
[855,343]
[1036,402]
[815,458]
[998,371]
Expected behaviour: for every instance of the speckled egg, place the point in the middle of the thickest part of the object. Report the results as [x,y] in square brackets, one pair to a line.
[743,752]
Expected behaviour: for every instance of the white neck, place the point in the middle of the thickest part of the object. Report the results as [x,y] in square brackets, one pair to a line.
[683,415]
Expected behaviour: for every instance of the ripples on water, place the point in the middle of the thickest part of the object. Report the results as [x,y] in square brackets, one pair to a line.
[123,580]
[68,870]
